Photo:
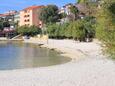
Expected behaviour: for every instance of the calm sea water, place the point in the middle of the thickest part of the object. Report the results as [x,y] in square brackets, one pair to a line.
[19,55]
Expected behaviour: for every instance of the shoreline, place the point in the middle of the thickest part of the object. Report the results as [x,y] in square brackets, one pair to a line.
[72,51]
[5,39]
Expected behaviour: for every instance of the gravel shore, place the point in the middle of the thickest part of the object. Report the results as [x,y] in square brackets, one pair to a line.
[88,68]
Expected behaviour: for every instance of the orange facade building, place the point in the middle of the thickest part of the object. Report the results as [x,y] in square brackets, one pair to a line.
[29,16]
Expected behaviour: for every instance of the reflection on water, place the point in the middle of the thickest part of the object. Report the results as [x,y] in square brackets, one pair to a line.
[18,55]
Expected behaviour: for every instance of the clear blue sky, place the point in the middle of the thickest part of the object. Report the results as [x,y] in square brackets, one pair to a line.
[6,5]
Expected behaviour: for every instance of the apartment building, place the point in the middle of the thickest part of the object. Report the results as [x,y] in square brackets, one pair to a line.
[17,17]
[9,17]
[29,16]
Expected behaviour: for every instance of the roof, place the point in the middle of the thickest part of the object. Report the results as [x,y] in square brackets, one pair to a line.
[7,14]
[33,7]
[2,15]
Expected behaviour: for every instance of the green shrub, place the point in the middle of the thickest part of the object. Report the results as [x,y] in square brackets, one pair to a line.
[28,30]
[77,30]
[105,30]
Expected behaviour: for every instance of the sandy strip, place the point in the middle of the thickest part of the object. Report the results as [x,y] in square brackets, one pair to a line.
[93,70]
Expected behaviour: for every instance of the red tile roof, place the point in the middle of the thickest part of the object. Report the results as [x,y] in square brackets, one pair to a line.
[2,15]
[33,7]
[7,14]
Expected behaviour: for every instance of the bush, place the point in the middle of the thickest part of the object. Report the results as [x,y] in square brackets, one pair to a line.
[105,30]
[28,30]
[78,30]
[52,30]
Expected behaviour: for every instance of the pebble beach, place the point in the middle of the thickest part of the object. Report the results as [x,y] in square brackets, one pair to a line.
[88,67]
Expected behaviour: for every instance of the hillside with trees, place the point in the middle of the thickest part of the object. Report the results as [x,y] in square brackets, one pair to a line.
[76,28]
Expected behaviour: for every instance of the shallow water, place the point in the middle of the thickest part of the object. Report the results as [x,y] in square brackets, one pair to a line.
[15,55]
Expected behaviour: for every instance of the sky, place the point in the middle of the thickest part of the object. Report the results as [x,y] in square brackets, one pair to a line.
[6,5]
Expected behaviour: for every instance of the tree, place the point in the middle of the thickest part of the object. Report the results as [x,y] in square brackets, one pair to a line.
[28,30]
[1,25]
[51,30]
[105,30]
[6,24]
[80,1]
[49,14]
[74,10]
[79,30]
[62,15]
[63,28]
[68,31]
[83,1]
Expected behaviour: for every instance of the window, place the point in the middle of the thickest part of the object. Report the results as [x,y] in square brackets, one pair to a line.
[26,15]
[28,20]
